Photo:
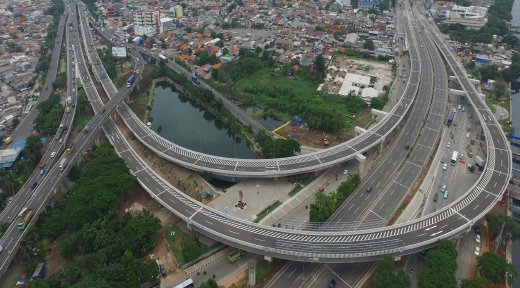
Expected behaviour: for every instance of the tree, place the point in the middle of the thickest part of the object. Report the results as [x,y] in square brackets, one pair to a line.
[439,267]
[33,148]
[511,227]
[489,72]
[387,278]
[477,283]
[211,283]
[494,267]
[319,66]
[501,89]
[129,40]
[369,44]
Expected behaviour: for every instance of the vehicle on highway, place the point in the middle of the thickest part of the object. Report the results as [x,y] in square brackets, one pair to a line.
[42,171]
[345,172]
[467,135]
[332,283]
[234,255]
[448,145]
[67,109]
[477,238]
[454,158]
[34,185]
[53,154]
[8,140]
[477,251]
[435,197]
[460,107]
[63,164]
[445,195]
[24,217]
[451,118]
[70,149]
[445,166]
[61,140]
[477,229]
[130,81]
[463,109]
[369,189]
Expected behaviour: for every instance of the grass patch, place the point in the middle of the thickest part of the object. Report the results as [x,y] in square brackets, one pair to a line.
[296,189]
[284,97]
[490,105]
[264,269]
[185,247]
[266,211]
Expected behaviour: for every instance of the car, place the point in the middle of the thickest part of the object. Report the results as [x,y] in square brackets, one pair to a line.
[467,135]
[103,111]
[42,171]
[345,172]
[332,283]
[369,189]
[463,109]
[34,185]
[53,154]
[443,188]
[477,229]
[443,160]
[477,238]
[61,140]
[460,107]
[448,145]
[435,197]
[445,166]
[461,156]
[477,251]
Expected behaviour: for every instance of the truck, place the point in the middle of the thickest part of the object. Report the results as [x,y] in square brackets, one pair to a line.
[234,255]
[451,118]
[130,81]
[480,162]
[63,164]
[39,273]
[23,218]
[163,57]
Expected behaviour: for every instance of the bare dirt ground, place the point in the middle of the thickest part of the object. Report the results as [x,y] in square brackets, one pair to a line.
[313,138]
[239,280]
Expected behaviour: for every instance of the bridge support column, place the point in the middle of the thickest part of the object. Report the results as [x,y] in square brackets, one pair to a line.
[358,130]
[456,92]
[375,113]
[361,168]
[382,144]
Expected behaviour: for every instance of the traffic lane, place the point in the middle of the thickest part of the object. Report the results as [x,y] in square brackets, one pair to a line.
[292,274]
[481,200]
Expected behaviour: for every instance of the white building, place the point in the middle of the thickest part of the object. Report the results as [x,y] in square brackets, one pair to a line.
[167,24]
[146,23]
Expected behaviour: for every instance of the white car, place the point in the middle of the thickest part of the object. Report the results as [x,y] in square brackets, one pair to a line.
[345,172]
[53,154]
[477,238]
[445,166]
[477,251]
[448,145]
[467,135]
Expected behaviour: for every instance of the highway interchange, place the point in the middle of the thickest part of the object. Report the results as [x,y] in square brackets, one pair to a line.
[312,246]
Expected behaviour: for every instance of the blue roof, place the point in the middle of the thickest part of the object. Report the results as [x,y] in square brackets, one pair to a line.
[7,163]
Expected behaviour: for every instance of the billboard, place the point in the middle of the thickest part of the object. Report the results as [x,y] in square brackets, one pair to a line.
[119,52]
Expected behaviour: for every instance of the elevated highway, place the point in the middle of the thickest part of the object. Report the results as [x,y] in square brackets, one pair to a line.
[337,246]
[268,168]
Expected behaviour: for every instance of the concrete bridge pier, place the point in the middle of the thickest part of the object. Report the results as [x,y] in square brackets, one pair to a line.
[359,130]
[361,168]
[375,113]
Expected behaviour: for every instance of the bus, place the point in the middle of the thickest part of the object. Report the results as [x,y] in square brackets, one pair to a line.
[188,283]
[454,158]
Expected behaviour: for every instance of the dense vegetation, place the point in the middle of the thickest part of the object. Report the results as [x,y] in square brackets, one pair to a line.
[109,62]
[60,82]
[277,148]
[49,117]
[283,92]
[440,265]
[83,110]
[11,180]
[386,277]
[100,249]
[499,15]
[326,204]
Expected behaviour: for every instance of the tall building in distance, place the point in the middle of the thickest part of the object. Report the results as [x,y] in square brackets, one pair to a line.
[178,11]
[146,23]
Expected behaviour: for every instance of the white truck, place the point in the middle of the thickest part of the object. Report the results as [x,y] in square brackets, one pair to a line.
[63,164]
